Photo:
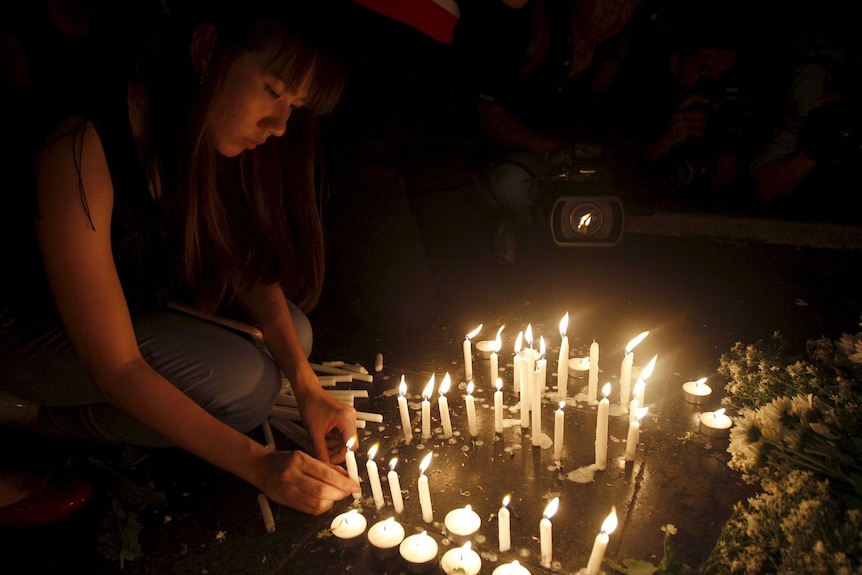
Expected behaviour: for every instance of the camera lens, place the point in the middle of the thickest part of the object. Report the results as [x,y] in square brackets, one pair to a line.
[586,219]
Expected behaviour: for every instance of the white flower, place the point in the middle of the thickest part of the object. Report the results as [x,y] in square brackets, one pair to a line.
[670,529]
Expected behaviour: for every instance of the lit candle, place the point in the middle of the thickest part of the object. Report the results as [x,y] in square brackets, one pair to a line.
[715,423]
[517,360]
[601,543]
[461,561]
[635,403]
[593,382]
[349,527]
[696,392]
[545,532]
[461,524]
[645,375]
[374,477]
[395,486]
[626,369]
[602,429]
[528,369]
[385,537]
[352,469]
[424,492]
[426,408]
[419,551]
[558,432]
[538,390]
[513,568]
[498,407]
[634,434]
[470,401]
[443,405]
[468,353]
[405,414]
[504,529]
[563,362]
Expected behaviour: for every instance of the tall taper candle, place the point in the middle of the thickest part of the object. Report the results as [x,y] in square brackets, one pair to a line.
[634,434]
[468,353]
[602,429]
[545,532]
[424,491]
[374,477]
[470,401]
[443,404]
[406,427]
[626,369]
[498,407]
[494,366]
[538,391]
[559,425]
[601,543]
[352,469]
[517,359]
[593,382]
[395,486]
[563,361]
[426,408]
[504,525]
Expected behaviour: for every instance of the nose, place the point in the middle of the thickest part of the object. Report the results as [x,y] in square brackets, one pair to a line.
[276,123]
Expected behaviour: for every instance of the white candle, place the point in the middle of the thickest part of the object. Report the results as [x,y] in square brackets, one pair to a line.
[424,492]
[634,434]
[593,382]
[517,359]
[426,408]
[635,403]
[352,469]
[538,390]
[601,543]
[470,401]
[563,362]
[419,551]
[513,568]
[443,405]
[696,392]
[545,532]
[504,529]
[374,478]
[461,561]
[626,369]
[405,414]
[498,407]
[461,524]
[715,423]
[558,432]
[494,366]
[395,486]
[526,387]
[468,353]
[385,536]
[645,374]
[349,527]
[602,429]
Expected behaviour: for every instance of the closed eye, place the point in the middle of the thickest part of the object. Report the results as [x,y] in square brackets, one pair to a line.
[272,93]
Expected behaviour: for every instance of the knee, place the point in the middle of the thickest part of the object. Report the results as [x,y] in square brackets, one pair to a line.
[303,328]
[253,389]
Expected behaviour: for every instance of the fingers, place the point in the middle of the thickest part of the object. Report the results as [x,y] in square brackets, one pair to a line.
[321,449]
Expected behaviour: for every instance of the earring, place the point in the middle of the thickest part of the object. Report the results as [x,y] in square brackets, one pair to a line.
[201,76]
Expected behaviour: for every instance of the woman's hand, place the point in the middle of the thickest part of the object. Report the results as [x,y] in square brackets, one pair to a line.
[297,480]
[330,422]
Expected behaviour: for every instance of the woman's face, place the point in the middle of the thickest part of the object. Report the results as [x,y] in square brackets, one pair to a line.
[251,106]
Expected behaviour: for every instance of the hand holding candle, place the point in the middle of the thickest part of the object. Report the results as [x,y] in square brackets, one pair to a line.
[405,414]
[563,361]
[443,405]
[470,401]
[545,532]
[424,491]
[395,486]
[374,477]
[468,353]
[601,543]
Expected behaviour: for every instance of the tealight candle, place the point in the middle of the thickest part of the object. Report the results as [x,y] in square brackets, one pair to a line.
[696,392]
[601,543]
[352,469]
[461,561]
[484,348]
[424,492]
[468,353]
[426,408]
[602,429]
[545,532]
[443,405]
[461,524]
[715,423]
[419,552]
[406,428]
[563,361]
[498,407]
[634,434]
[578,365]
[470,401]
[504,529]
[374,478]
[385,537]
[513,568]
[558,432]
[395,486]
[349,528]
[593,381]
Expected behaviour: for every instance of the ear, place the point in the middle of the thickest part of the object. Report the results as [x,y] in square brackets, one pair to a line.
[202,46]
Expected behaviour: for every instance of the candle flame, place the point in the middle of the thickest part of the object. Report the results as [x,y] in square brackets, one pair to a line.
[425,463]
[551,508]
[444,385]
[429,389]
[564,325]
[350,442]
[639,386]
[468,507]
[610,523]
[528,335]
[633,343]
[345,519]
[470,388]
[606,390]
[647,371]
[562,405]
[700,382]
[498,343]
[466,547]
[392,463]
[718,412]
[506,500]
[475,332]
[542,346]
[372,451]
[640,413]
[499,384]
[402,387]
[519,341]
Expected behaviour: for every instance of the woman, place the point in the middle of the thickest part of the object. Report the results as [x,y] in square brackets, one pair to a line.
[187,183]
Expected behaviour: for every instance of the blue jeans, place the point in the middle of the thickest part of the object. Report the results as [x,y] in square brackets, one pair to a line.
[227,373]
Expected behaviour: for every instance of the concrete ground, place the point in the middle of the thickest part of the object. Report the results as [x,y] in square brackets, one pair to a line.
[697,290]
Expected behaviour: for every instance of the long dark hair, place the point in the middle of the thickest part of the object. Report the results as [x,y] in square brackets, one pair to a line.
[250,219]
